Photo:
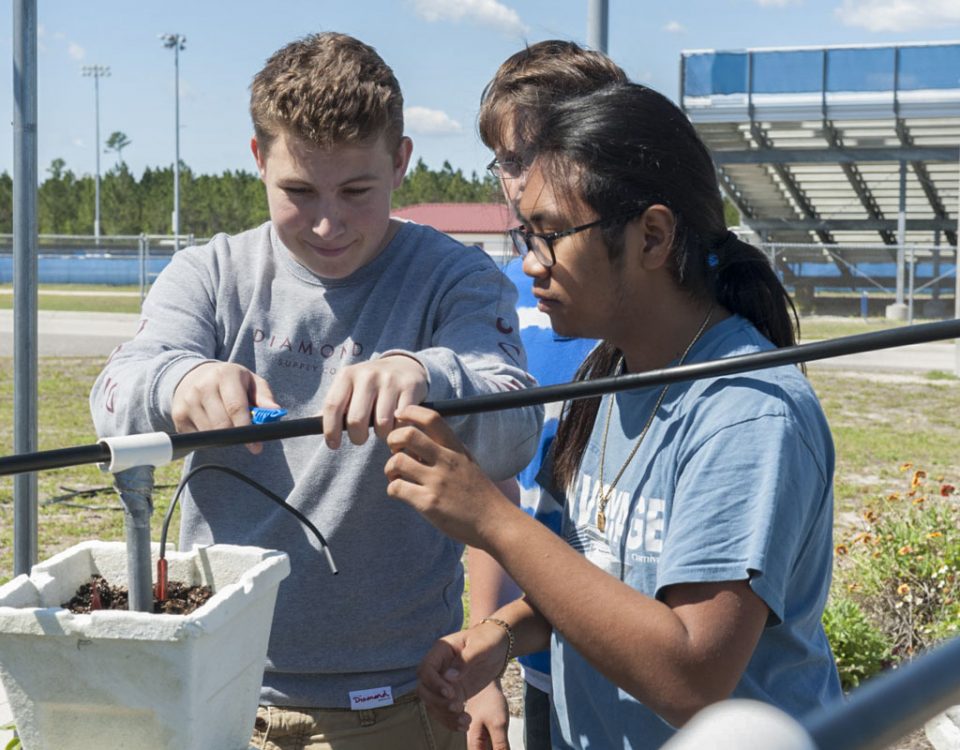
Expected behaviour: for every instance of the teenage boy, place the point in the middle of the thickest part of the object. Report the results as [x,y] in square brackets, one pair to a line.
[524,85]
[330,308]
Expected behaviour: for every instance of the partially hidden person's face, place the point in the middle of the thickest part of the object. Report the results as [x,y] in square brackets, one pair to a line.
[512,171]
[331,207]
[580,291]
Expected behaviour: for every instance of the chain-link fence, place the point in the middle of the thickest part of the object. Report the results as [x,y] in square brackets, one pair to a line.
[116,260]
[866,279]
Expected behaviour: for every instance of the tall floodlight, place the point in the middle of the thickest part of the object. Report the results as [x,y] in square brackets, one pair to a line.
[96,72]
[176,42]
[597,23]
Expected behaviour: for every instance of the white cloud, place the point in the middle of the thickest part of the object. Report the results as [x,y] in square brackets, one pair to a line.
[674,27]
[79,143]
[76,51]
[490,13]
[899,15]
[430,121]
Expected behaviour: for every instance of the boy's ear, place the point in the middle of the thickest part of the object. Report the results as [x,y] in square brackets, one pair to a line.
[259,156]
[401,160]
[652,234]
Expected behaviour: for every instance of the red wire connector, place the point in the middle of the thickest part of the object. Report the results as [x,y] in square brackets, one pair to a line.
[160,590]
[95,601]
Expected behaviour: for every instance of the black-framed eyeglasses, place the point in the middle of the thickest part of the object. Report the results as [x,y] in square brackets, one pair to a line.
[541,245]
[508,168]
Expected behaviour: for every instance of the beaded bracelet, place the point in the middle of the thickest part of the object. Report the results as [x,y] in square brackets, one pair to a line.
[510,641]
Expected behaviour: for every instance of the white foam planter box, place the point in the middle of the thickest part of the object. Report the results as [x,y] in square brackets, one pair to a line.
[134,680]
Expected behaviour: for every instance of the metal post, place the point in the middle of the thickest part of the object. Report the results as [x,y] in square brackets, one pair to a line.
[96,72]
[597,23]
[96,150]
[956,286]
[901,231]
[141,253]
[136,491]
[176,42]
[913,272]
[24,278]
[936,264]
[176,161]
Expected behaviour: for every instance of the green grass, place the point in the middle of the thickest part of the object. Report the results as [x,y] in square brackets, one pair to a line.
[879,425]
[125,288]
[65,297]
[822,327]
[81,304]
[64,421]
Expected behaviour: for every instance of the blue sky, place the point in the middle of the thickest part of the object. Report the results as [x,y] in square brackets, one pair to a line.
[443,52]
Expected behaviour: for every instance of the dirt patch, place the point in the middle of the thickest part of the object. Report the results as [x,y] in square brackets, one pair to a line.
[97,593]
[512,685]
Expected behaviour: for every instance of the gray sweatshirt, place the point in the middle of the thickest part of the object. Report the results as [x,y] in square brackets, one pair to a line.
[244,299]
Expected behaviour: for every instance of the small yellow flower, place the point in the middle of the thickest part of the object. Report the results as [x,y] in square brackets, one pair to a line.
[903,589]
[905,550]
[919,500]
[870,515]
[918,476]
[934,534]
[841,549]
[905,466]
[893,497]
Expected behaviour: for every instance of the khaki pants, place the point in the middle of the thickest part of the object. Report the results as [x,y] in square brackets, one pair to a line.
[403,726]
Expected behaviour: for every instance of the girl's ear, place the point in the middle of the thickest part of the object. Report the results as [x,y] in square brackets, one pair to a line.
[652,235]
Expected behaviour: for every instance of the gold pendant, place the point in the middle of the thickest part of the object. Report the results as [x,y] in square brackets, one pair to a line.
[601,520]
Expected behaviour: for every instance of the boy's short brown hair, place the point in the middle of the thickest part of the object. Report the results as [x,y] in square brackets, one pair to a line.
[532,79]
[328,89]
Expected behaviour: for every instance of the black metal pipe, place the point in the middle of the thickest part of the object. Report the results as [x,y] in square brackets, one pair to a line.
[187,442]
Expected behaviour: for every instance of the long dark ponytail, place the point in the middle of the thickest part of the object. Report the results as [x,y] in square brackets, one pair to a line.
[627,146]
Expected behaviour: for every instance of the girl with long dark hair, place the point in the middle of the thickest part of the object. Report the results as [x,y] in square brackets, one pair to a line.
[697,546]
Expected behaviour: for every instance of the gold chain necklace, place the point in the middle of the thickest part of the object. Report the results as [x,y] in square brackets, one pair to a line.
[604,495]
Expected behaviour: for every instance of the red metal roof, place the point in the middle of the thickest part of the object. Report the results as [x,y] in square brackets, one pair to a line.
[479,218]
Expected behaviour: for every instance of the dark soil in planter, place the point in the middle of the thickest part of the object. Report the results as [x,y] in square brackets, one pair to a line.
[98,594]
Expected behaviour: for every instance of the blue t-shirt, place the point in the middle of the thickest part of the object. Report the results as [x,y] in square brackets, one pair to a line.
[551,359]
[733,481]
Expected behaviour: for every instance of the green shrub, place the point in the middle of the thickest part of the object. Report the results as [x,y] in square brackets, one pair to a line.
[901,570]
[860,648]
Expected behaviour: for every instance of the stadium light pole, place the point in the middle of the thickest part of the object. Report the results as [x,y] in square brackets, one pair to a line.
[598,14]
[176,42]
[96,72]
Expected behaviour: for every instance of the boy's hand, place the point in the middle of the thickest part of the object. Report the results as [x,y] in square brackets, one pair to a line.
[378,388]
[217,395]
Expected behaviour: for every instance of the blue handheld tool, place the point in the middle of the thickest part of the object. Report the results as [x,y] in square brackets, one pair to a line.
[262,415]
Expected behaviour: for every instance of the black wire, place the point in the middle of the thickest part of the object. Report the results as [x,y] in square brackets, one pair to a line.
[256,485]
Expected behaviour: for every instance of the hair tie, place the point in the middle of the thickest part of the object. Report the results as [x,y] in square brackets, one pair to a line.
[728,239]
[724,246]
